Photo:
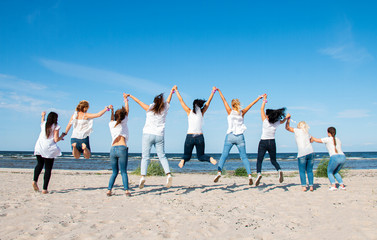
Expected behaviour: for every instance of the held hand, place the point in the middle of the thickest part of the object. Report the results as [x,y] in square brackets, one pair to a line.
[175,88]
[265,96]
[288,116]
[214,89]
[311,139]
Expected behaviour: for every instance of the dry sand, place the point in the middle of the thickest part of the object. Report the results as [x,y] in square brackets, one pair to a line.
[194,208]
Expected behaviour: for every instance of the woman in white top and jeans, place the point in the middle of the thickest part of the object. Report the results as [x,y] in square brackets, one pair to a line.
[337,157]
[82,127]
[194,135]
[236,128]
[119,150]
[305,155]
[272,118]
[46,149]
[153,134]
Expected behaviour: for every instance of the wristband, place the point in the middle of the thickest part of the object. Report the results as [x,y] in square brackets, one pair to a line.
[265,101]
[173,91]
[107,109]
[213,91]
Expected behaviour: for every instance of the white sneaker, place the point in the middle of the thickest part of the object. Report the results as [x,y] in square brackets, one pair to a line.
[218,176]
[141,183]
[169,181]
[342,188]
[333,189]
[250,180]
[259,177]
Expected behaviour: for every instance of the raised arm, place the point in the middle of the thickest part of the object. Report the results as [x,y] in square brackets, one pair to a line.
[125,99]
[143,105]
[313,139]
[246,109]
[43,115]
[206,106]
[183,104]
[289,128]
[227,108]
[112,118]
[171,94]
[262,112]
[99,114]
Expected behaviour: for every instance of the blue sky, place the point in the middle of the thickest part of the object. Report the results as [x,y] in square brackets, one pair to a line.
[317,58]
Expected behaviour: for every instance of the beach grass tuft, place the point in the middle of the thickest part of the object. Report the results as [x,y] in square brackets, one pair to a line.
[154,169]
[321,171]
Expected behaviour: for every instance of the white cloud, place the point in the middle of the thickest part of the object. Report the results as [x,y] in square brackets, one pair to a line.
[347,53]
[354,113]
[347,49]
[12,82]
[102,76]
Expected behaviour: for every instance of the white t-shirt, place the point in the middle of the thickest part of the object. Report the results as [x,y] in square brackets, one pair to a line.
[329,141]
[195,122]
[268,129]
[303,142]
[120,130]
[235,123]
[47,147]
[82,128]
[155,123]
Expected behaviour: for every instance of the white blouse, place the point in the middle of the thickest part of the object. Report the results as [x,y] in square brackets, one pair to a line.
[119,130]
[303,142]
[195,122]
[47,147]
[269,129]
[155,123]
[329,141]
[82,128]
[235,123]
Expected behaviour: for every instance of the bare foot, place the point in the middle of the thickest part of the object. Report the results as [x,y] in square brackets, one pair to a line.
[311,188]
[304,189]
[35,186]
[181,163]
[213,161]
[44,191]
[108,193]
[128,194]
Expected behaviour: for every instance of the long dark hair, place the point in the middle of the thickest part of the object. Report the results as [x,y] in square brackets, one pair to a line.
[198,103]
[159,104]
[275,115]
[119,115]
[52,119]
[332,132]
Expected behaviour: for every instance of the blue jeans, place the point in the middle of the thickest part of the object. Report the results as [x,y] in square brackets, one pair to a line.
[335,164]
[79,143]
[305,164]
[150,140]
[119,158]
[239,141]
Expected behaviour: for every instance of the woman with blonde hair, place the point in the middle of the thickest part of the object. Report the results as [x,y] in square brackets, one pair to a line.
[153,134]
[305,155]
[236,128]
[82,122]
[337,157]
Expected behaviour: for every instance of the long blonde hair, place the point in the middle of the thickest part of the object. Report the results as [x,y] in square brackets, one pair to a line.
[236,104]
[304,126]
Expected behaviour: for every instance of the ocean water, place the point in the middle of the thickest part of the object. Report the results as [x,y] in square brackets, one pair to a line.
[101,161]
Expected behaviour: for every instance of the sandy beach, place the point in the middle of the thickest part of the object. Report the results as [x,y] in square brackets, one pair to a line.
[194,208]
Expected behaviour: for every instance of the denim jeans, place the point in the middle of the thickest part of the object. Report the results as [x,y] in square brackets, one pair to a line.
[239,141]
[150,140]
[79,143]
[264,146]
[119,159]
[305,164]
[335,164]
[196,140]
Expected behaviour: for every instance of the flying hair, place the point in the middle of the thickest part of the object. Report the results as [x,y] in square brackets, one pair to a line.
[198,103]
[159,104]
[52,119]
[120,115]
[275,115]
